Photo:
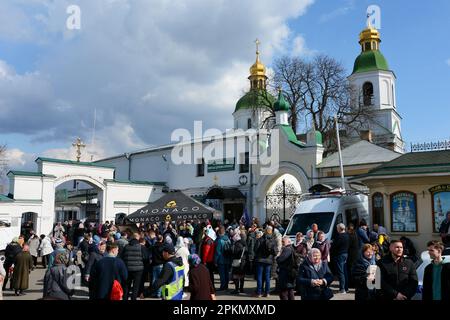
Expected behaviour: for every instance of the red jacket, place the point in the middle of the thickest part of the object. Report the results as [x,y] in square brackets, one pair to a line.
[208,248]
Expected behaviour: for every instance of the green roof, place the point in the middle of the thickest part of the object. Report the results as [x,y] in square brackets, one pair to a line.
[413,163]
[370,61]
[291,136]
[281,104]
[29,174]
[4,198]
[89,164]
[254,99]
[150,183]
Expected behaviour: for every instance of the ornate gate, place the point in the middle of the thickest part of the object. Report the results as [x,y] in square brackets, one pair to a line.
[281,203]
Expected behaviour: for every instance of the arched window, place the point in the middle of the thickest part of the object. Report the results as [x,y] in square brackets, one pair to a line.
[378,208]
[367,93]
[367,46]
[249,123]
[260,84]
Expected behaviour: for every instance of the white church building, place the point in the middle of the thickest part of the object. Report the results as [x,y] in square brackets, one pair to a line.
[266,176]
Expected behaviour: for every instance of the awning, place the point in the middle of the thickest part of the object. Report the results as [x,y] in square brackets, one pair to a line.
[174,206]
[225,193]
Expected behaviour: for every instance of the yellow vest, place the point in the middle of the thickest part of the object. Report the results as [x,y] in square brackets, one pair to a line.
[174,289]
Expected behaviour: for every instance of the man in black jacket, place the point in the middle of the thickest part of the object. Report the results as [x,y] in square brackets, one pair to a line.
[398,275]
[339,255]
[436,279]
[134,260]
[168,280]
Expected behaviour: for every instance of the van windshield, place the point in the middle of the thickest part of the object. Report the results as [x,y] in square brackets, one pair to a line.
[302,222]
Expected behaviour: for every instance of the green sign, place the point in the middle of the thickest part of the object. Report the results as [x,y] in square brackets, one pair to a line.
[221,165]
[61,195]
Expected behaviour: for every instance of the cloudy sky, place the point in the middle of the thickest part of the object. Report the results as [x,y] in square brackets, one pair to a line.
[147,67]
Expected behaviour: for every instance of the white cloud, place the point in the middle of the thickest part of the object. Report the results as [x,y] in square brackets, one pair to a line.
[342,11]
[299,47]
[148,67]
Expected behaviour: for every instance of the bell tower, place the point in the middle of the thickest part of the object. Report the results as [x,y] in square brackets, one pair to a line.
[374,87]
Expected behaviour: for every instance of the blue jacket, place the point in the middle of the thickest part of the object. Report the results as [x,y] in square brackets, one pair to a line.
[363,237]
[220,257]
[105,272]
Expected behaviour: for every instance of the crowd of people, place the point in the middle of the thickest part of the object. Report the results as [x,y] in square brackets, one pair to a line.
[117,263]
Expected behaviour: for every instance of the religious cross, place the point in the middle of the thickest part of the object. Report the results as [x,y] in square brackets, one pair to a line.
[215,180]
[78,145]
[257,46]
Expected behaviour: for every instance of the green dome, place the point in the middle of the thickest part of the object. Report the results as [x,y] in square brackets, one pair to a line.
[370,61]
[281,104]
[253,99]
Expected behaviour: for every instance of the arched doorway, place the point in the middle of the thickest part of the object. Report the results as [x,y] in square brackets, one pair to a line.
[119,218]
[78,200]
[28,223]
[282,198]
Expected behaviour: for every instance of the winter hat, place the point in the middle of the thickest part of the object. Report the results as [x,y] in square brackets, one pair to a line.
[169,248]
[117,236]
[96,239]
[194,260]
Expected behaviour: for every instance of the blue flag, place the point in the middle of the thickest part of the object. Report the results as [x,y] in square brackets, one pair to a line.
[245,219]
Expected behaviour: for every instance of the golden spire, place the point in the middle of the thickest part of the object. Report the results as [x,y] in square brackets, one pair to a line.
[369,38]
[257,71]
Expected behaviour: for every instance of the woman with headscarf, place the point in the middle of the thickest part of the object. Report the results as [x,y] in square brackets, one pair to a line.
[34,243]
[46,250]
[200,285]
[300,248]
[182,251]
[208,250]
[360,274]
[238,250]
[315,277]
[56,280]
[323,245]
[22,268]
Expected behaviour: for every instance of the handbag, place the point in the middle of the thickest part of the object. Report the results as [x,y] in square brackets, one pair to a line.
[116,290]
[236,263]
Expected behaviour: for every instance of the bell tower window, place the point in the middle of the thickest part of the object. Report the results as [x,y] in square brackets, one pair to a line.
[249,123]
[368,94]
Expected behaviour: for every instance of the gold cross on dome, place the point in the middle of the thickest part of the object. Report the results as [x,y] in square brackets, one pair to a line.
[257,46]
[78,145]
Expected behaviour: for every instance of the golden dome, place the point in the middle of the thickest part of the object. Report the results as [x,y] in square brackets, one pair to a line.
[257,69]
[369,34]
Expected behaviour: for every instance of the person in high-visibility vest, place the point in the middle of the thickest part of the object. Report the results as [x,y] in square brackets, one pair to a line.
[171,278]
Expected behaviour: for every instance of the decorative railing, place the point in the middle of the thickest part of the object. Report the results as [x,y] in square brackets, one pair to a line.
[430,146]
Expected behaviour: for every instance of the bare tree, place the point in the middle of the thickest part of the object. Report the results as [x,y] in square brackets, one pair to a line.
[319,89]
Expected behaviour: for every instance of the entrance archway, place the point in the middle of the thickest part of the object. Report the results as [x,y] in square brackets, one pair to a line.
[282,198]
[265,184]
[79,199]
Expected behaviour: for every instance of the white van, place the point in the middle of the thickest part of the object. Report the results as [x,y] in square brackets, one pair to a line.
[327,211]
[6,235]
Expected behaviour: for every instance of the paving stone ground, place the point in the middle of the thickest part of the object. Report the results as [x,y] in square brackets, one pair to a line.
[36,286]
